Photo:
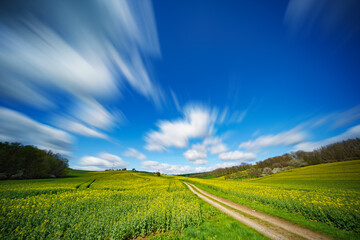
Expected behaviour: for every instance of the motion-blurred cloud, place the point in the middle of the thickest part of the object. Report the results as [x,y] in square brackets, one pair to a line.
[326,19]
[85,53]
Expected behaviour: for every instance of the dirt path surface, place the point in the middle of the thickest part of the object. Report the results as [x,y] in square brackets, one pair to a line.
[270,226]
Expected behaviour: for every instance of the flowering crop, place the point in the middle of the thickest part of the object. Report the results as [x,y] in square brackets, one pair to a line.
[328,193]
[114,205]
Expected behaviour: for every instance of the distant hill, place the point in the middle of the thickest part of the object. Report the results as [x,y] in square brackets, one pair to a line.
[337,152]
[338,171]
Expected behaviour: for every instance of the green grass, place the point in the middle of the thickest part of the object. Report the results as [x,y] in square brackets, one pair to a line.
[217,226]
[117,205]
[344,175]
[126,204]
[222,227]
[111,205]
[325,197]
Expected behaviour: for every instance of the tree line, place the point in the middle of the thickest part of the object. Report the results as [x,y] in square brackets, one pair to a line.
[337,152]
[24,162]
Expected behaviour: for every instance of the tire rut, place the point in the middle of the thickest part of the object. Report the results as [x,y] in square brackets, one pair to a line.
[270,226]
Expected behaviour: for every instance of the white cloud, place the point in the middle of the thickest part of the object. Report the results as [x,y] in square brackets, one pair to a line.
[353,132]
[288,138]
[171,169]
[197,122]
[298,136]
[23,92]
[337,119]
[198,152]
[200,162]
[78,128]
[15,126]
[215,145]
[103,161]
[176,101]
[133,153]
[228,117]
[85,58]
[322,17]
[346,117]
[88,168]
[39,55]
[181,169]
[297,12]
[237,156]
[94,114]
[196,155]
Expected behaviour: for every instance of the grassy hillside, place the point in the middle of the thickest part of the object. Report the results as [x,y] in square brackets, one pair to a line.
[339,171]
[324,197]
[126,204]
[338,152]
[343,175]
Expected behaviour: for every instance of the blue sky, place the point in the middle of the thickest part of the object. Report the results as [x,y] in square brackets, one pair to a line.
[178,86]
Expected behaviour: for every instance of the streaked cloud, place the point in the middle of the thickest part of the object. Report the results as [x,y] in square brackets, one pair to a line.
[346,117]
[78,128]
[87,58]
[197,123]
[237,156]
[102,161]
[180,169]
[35,53]
[338,119]
[94,114]
[299,135]
[227,117]
[353,132]
[23,92]
[175,100]
[133,153]
[17,127]
[324,18]
[287,138]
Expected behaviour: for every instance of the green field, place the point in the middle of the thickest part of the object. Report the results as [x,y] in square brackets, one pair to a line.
[110,205]
[323,197]
[126,205]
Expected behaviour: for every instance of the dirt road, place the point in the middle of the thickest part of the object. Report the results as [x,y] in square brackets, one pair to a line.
[270,226]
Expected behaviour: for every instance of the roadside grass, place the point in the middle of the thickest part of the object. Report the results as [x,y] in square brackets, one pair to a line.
[303,192]
[111,205]
[218,226]
[291,217]
[96,205]
[221,227]
[61,208]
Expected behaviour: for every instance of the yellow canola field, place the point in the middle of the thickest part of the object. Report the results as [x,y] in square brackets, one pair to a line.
[319,193]
[117,205]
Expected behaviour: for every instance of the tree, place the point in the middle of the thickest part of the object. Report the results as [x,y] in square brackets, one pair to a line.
[18,161]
